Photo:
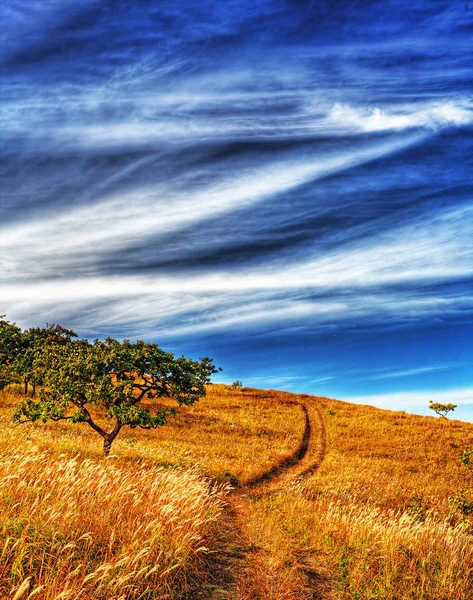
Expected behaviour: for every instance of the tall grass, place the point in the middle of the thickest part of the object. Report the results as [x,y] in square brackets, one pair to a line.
[376,554]
[82,529]
[230,435]
[374,522]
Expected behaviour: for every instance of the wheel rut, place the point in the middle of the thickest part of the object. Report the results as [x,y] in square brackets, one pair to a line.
[249,557]
[303,462]
[288,463]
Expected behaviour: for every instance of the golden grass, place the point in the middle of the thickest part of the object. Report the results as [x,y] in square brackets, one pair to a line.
[375,519]
[230,435]
[374,522]
[382,457]
[369,553]
[83,529]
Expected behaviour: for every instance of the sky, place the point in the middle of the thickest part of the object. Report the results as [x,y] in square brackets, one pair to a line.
[284,185]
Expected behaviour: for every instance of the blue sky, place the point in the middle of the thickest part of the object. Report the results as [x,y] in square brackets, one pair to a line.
[285,186]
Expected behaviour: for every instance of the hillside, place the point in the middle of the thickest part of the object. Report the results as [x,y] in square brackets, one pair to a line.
[246,495]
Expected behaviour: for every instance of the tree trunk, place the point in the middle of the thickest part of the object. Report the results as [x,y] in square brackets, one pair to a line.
[26,386]
[107,444]
[34,390]
[109,437]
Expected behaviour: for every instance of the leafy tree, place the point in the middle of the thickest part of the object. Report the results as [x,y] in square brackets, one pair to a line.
[28,364]
[441,409]
[10,346]
[115,380]
[20,350]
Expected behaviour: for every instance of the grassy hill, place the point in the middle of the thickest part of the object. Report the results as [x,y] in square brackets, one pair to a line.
[247,495]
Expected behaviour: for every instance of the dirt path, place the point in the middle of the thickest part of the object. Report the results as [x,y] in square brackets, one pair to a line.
[252,569]
[304,461]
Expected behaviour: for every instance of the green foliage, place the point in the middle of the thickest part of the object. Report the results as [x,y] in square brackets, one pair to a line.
[28,365]
[441,409]
[120,380]
[10,347]
[236,385]
[20,351]
[417,508]
[230,478]
[466,458]
[462,501]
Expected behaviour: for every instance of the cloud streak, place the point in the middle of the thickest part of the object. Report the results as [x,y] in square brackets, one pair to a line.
[118,221]
[231,174]
[374,119]
[410,372]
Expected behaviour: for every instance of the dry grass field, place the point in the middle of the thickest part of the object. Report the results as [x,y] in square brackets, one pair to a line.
[247,495]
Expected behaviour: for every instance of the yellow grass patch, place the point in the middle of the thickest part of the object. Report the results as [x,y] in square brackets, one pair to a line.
[372,522]
[84,529]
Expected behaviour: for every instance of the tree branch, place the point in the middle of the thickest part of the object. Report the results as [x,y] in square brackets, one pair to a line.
[140,397]
[89,421]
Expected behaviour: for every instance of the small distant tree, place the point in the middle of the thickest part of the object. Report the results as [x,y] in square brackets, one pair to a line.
[236,385]
[441,409]
[110,384]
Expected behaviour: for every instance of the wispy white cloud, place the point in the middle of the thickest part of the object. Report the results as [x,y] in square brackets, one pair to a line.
[116,222]
[210,172]
[255,297]
[321,379]
[270,380]
[337,120]
[431,116]
[173,132]
[394,374]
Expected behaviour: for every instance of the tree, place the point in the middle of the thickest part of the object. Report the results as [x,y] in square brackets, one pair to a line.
[19,351]
[10,347]
[28,364]
[110,384]
[236,385]
[441,409]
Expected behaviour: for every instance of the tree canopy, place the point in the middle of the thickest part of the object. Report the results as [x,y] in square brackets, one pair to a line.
[11,341]
[441,409]
[106,384]
[28,365]
[20,350]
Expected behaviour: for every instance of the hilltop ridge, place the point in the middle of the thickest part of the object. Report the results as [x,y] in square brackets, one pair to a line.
[299,497]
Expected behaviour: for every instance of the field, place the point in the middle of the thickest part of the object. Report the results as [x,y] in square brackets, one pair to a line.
[247,495]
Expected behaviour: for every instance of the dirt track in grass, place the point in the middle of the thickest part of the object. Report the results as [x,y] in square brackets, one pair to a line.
[304,461]
[246,560]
